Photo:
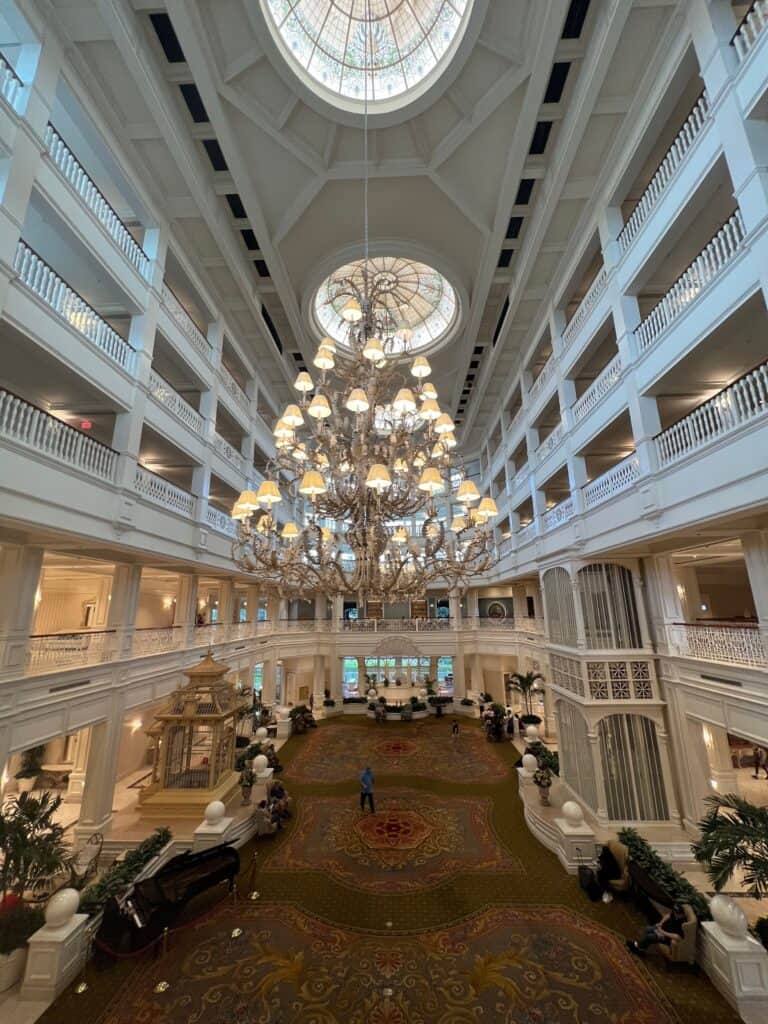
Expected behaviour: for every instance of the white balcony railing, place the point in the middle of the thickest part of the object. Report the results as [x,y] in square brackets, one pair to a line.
[228,452]
[546,372]
[751,28]
[395,625]
[666,171]
[221,521]
[743,402]
[75,174]
[585,307]
[82,647]
[551,441]
[558,515]
[707,266]
[152,640]
[615,480]
[526,533]
[599,387]
[233,389]
[37,430]
[35,274]
[10,83]
[185,323]
[212,633]
[163,393]
[162,492]
[724,643]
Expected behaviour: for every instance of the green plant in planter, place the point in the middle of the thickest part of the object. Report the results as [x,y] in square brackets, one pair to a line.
[382,700]
[678,887]
[418,706]
[31,763]
[414,700]
[734,835]
[525,684]
[120,876]
[546,758]
[17,924]
[247,754]
[32,843]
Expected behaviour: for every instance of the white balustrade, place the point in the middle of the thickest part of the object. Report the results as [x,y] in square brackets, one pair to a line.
[35,274]
[232,388]
[751,28]
[505,625]
[745,401]
[728,644]
[559,514]
[707,266]
[59,650]
[226,451]
[163,393]
[551,441]
[37,430]
[220,521]
[395,625]
[210,634]
[666,171]
[76,175]
[541,380]
[617,479]
[585,307]
[526,533]
[185,323]
[10,83]
[156,640]
[599,387]
[162,492]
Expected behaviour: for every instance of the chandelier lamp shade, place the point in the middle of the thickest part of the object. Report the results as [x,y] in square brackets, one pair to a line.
[366,462]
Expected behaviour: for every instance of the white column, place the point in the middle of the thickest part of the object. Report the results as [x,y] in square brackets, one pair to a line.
[226,606]
[101,774]
[20,569]
[459,676]
[76,780]
[268,682]
[126,582]
[185,615]
[755,547]
[337,688]
[318,680]
[321,603]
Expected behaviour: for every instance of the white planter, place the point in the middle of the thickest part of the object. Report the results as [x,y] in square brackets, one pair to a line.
[12,967]
[330,712]
[356,709]
[421,714]
[26,785]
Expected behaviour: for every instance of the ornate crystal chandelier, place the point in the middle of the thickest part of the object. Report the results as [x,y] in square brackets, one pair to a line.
[382,506]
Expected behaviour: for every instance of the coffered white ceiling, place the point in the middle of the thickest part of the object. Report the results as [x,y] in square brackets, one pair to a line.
[486,175]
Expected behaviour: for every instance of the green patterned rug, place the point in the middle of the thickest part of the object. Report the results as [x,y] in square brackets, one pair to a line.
[445,910]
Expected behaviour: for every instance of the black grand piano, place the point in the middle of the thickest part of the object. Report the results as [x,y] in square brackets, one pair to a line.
[137,919]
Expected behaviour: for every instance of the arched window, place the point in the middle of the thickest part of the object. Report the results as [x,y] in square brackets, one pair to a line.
[575,753]
[561,613]
[609,607]
[631,766]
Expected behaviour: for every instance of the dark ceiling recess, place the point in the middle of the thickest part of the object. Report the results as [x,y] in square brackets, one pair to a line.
[478,350]
[297,356]
[514,226]
[474,363]
[500,321]
[556,82]
[194,102]
[574,19]
[524,191]
[540,137]
[236,206]
[261,268]
[272,329]
[163,27]
[505,257]
[251,242]
[215,155]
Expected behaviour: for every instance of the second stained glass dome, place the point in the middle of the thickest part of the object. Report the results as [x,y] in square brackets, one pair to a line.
[401,41]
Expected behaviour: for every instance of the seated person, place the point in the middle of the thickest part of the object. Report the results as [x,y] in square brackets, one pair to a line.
[272,762]
[278,801]
[665,932]
[265,825]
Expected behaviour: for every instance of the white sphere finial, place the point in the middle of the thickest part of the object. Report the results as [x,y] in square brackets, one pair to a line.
[530,764]
[261,733]
[260,764]
[532,732]
[572,812]
[61,907]
[214,812]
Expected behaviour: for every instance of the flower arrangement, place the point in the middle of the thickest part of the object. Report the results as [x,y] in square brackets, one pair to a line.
[542,778]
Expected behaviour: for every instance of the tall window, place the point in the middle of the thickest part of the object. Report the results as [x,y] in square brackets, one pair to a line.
[609,607]
[629,755]
[561,612]
[575,753]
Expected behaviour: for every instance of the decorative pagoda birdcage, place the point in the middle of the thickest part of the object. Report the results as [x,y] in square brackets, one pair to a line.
[194,745]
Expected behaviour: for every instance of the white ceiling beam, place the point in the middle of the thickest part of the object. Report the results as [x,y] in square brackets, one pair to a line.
[244,62]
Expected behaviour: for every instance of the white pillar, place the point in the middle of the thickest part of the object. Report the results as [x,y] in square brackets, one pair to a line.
[337,688]
[185,615]
[755,547]
[268,682]
[126,582]
[76,780]
[318,680]
[101,774]
[20,569]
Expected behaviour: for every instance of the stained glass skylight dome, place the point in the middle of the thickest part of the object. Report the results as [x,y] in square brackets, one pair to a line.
[406,42]
[417,298]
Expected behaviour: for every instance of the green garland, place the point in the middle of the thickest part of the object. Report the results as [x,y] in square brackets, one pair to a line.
[678,887]
[119,877]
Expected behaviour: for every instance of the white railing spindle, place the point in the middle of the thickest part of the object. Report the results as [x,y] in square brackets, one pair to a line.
[600,386]
[617,479]
[161,492]
[185,323]
[750,29]
[162,392]
[585,307]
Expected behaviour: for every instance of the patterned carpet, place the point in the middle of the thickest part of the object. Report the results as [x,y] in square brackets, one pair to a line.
[440,909]
[429,751]
[410,843]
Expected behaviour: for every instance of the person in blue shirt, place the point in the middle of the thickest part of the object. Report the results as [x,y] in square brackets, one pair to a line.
[366,790]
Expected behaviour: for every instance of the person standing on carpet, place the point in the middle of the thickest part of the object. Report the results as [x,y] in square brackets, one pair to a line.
[455,732]
[366,790]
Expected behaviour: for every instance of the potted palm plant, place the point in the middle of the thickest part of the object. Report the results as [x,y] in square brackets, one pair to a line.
[525,683]
[31,765]
[33,851]
[734,836]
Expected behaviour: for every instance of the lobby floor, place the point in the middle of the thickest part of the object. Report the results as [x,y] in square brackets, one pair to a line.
[440,909]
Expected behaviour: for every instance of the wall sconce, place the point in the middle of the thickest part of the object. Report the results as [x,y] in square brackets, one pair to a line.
[38,597]
[704,606]
[136,724]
